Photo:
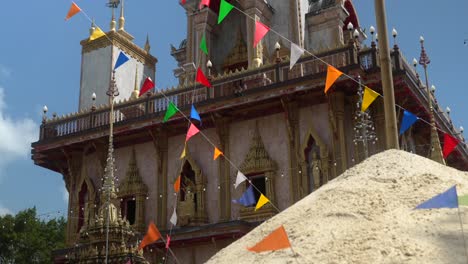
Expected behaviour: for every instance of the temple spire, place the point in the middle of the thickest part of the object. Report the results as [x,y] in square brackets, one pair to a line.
[147,44]
[92,28]
[122,19]
[112,23]
[136,90]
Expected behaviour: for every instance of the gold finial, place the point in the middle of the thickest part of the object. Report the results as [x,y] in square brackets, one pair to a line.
[147,44]
[93,27]
[122,19]
[112,23]
[136,91]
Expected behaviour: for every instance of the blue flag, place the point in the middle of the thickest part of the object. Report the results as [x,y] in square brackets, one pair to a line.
[447,199]
[120,60]
[194,114]
[407,121]
[248,198]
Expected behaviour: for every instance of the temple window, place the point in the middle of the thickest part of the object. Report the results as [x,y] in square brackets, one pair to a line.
[128,209]
[259,181]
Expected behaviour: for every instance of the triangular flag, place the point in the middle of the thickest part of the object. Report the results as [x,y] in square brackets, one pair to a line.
[194,114]
[204,3]
[183,2]
[368,98]
[247,198]
[147,85]
[202,79]
[224,9]
[120,60]
[170,111]
[239,179]
[463,200]
[177,185]
[203,45]
[217,153]
[151,236]
[74,9]
[278,239]
[173,219]
[97,34]
[168,241]
[261,202]
[332,75]
[260,32]
[450,143]
[447,199]
[192,131]
[408,120]
[184,152]
[296,53]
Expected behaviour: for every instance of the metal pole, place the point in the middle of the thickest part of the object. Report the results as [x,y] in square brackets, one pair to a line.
[387,78]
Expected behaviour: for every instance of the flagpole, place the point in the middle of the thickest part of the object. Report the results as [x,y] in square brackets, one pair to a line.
[463,232]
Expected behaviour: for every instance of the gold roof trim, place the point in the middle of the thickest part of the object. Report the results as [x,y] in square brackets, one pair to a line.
[257,159]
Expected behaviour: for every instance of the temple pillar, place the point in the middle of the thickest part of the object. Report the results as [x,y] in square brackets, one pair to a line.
[338,108]
[222,129]
[160,142]
[260,11]
[325,28]
[204,21]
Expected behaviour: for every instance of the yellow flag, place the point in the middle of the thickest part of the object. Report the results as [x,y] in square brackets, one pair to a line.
[183,152]
[217,153]
[261,202]
[97,34]
[369,97]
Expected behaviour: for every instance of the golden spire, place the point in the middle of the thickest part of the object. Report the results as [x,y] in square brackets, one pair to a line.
[136,90]
[122,19]
[147,44]
[92,28]
[112,23]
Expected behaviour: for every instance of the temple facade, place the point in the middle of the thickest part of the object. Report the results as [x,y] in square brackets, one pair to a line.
[275,125]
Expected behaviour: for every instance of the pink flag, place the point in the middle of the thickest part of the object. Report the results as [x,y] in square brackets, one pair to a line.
[193,130]
[204,3]
[168,241]
[200,78]
[260,32]
[450,143]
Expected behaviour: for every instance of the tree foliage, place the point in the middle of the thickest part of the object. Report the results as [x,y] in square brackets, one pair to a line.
[24,238]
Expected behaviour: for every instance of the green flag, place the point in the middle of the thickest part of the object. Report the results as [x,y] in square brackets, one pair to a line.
[224,10]
[203,46]
[463,200]
[171,110]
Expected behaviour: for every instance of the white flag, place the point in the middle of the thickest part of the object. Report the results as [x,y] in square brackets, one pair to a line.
[240,178]
[296,53]
[173,219]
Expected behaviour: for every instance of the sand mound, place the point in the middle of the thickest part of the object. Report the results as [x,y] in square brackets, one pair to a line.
[366,216]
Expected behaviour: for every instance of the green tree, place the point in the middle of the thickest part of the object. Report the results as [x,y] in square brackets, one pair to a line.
[24,238]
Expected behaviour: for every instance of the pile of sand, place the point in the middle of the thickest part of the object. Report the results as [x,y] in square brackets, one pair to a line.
[366,216]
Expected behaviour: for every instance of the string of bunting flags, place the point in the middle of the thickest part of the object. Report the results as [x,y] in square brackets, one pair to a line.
[278,239]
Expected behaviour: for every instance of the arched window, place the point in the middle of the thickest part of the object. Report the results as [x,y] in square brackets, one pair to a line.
[82,200]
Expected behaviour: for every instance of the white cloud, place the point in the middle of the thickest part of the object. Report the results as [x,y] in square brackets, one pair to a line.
[4,71]
[4,211]
[16,136]
[64,192]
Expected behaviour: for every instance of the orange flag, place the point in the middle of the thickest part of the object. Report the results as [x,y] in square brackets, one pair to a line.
[151,236]
[332,75]
[217,153]
[74,9]
[177,184]
[193,130]
[278,239]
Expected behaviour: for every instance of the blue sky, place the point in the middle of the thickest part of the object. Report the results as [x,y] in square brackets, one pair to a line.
[40,58]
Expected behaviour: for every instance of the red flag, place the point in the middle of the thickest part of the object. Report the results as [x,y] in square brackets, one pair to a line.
[147,85]
[193,130]
[168,241]
[260,32]
[278,239]
[450,143]
[151,236]
[183,2]
[204,3]
[202,79]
